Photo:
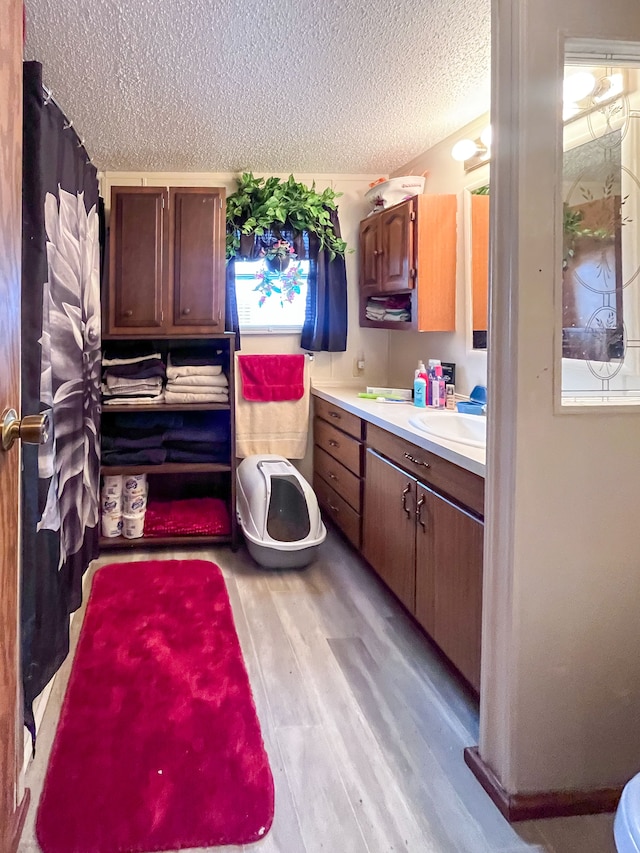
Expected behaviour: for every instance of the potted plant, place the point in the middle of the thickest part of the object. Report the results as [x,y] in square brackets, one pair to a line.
[269,205]
[278,255]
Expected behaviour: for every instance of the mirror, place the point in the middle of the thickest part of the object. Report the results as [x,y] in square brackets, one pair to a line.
[477,214]
[600,278]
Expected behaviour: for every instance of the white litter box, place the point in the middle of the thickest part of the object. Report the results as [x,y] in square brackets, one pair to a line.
[278,512]
[626,826]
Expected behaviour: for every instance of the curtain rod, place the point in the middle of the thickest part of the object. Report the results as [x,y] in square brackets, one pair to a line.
[49,99]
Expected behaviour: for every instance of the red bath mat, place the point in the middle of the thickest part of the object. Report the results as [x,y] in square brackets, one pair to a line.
[158,745]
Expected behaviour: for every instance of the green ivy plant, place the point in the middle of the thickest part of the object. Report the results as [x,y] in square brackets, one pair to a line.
[260,205]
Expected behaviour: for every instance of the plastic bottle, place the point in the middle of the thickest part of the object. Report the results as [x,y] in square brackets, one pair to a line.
[442,390]
[433,389]
[420,369]
[420,391]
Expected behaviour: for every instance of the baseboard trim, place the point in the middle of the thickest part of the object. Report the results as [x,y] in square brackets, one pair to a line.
[541,804]
[19,818]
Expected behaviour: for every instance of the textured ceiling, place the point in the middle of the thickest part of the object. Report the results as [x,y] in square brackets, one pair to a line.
[218,85]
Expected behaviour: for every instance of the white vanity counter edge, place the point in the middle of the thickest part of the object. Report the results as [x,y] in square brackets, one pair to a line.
[394,417]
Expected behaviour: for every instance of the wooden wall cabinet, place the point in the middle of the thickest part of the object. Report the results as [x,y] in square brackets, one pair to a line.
[410,249]
[423,534]
[337,474]
[166,262]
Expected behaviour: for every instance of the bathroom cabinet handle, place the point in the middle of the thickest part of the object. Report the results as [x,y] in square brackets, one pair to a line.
[186,311]
[331,476]
[335,415]
[128,313]
[405,492]
[419,506]
[333,443]
[416,461]
[333,508]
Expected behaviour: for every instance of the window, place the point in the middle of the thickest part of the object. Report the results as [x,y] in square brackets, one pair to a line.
[271,301]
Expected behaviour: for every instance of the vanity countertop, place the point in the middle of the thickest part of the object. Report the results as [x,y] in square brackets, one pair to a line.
[394,417]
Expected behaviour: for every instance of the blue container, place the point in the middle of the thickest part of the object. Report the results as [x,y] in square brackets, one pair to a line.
[470,408]
[477,402]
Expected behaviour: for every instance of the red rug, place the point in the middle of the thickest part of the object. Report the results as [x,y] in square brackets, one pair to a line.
[158,745]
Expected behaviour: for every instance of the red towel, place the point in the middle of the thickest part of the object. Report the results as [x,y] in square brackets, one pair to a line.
[271,378]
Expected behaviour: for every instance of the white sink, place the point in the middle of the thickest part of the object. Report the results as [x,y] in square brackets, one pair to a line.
[453,426]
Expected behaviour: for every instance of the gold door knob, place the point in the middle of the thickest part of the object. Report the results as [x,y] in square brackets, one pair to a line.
[32,429]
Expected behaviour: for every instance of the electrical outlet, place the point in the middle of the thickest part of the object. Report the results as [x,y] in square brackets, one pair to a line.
[358,366]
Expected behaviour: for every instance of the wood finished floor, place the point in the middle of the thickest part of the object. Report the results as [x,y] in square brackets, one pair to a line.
[363,722]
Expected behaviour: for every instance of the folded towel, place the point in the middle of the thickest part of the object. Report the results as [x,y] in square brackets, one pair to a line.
[135,355]
[124,384]
[194,370]
[195,355]
[206,447]
[209,397]
[176,388]
[271,378]
[173,436]
[151,400]
[177,455]
[127,442]
[143,421]
[149,456]
[138,370]
[195,381]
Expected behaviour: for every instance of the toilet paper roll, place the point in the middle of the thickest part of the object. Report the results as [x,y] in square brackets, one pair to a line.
[133,526]
[135,484]
[134,504]
[112,485]
[111,504]
[111,524]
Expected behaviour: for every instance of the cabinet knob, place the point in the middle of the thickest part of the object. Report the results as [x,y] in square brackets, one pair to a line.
[186,311]
[128,313]
[333,443]
[335,415]
[331,476]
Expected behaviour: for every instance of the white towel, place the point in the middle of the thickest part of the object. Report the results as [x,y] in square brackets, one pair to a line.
[280,427]
[221,396]
[196,381]
[128,384]
[109,361]
[193,370]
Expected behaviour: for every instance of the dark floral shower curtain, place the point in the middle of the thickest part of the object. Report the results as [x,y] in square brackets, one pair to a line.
[60,372]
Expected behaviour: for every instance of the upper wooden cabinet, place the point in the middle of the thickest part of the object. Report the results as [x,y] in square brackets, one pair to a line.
[166,262]
[409,250]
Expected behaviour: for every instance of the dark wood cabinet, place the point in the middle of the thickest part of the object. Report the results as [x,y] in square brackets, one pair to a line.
[337,467]
[449,579]
[166,262]
[409,250]
[423,534]
[389,538]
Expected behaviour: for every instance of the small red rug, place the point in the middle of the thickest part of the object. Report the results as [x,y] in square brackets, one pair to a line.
[158,745]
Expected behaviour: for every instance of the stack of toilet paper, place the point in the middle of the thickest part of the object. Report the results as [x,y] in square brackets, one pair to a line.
[124,504]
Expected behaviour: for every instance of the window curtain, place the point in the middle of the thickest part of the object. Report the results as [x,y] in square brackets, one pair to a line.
[325,324]
[61,341]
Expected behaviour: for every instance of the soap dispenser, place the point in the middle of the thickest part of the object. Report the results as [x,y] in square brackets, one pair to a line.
[420,386]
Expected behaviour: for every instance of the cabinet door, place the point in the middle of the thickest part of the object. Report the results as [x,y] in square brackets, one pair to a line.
[137,260]
[389,533]
[369,253]
[449,580]
[197,258]
[396,249]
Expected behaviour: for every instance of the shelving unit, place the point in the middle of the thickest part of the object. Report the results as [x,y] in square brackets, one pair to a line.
[184,479]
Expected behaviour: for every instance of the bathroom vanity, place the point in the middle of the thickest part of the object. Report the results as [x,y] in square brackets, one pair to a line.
[413,505]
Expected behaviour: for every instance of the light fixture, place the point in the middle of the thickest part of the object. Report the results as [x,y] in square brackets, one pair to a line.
[473,152]
[586,91]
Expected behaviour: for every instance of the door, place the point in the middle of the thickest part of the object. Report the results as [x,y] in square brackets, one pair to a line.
[389,536]
[12,801]
[396,251]
[561,560]
[449,580]
[196,250]
[369,252]
[138,267]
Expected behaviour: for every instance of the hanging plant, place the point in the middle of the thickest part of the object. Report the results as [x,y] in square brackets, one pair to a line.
[269,205]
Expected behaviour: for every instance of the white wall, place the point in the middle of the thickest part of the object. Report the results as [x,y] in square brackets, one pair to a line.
[325,367]
[405,348]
